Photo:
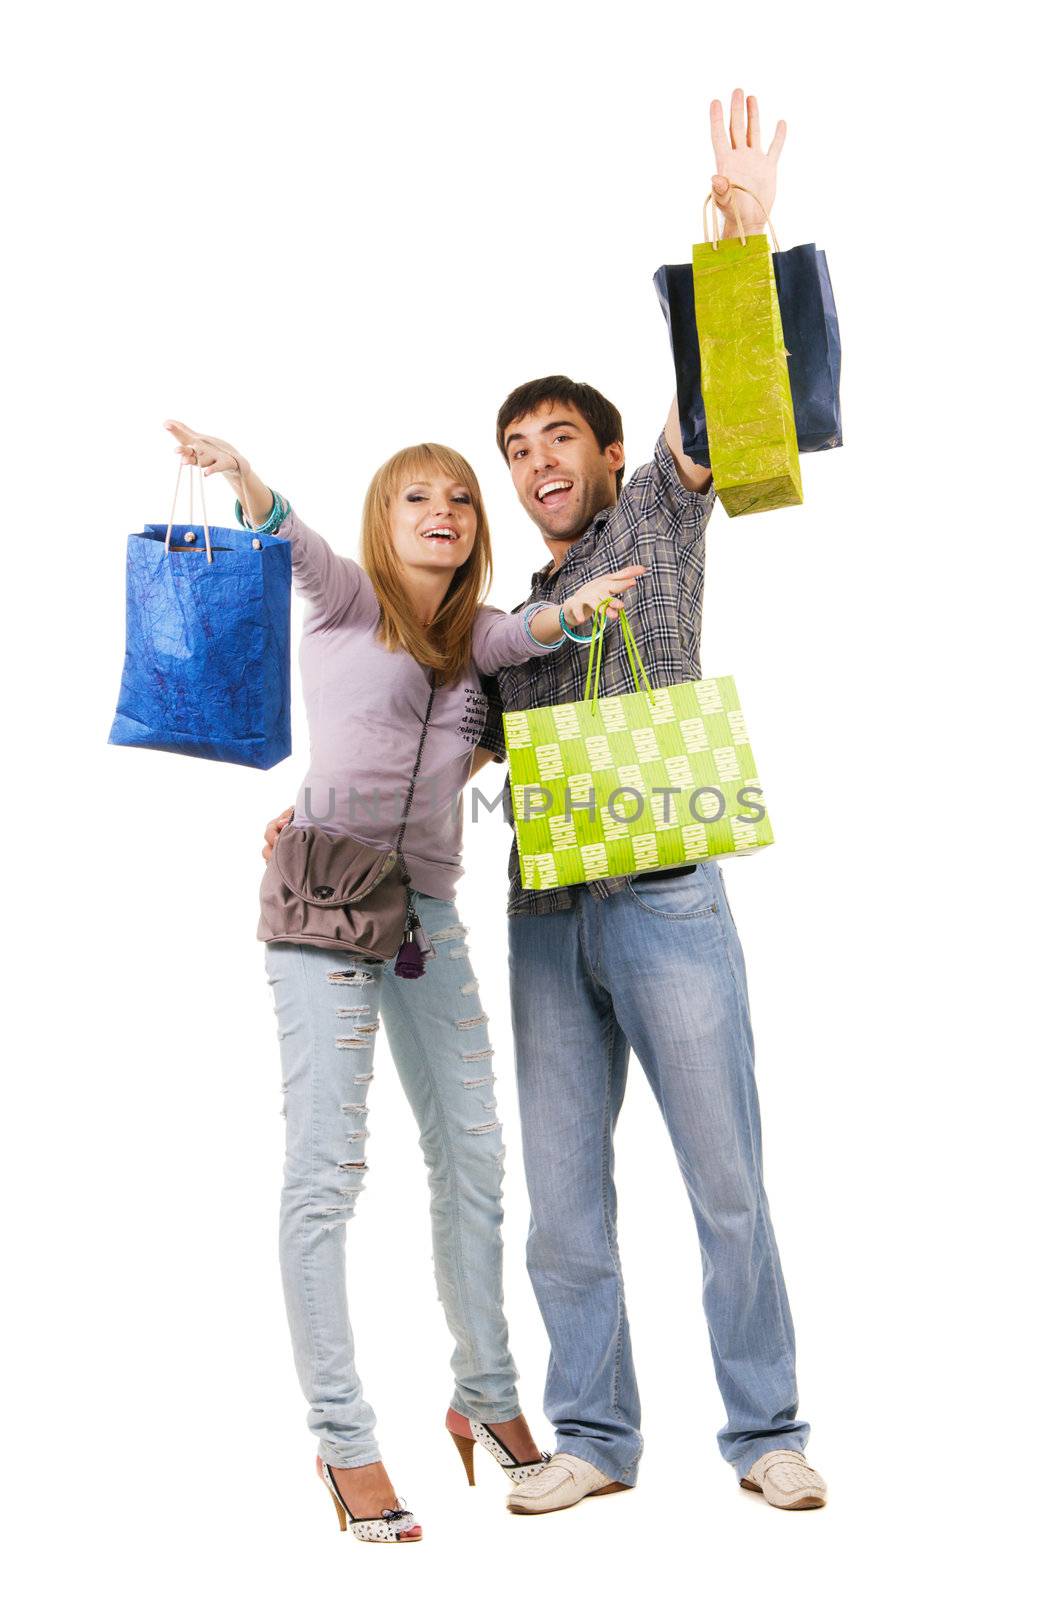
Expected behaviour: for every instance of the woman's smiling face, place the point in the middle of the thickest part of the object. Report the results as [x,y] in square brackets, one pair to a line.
[433,524]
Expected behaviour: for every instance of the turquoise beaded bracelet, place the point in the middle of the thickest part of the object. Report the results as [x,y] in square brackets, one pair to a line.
[279,510]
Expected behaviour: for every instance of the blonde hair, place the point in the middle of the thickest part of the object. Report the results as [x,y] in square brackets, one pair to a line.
[446,643]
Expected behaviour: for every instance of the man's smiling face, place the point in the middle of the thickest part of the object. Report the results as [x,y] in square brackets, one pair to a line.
[561,473]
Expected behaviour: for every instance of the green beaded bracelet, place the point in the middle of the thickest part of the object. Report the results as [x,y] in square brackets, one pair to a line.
[278,511]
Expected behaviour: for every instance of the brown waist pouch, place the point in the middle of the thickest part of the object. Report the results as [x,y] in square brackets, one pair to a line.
[330,890]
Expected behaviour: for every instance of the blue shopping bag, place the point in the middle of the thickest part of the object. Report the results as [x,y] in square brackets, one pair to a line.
[207,644]
[812,341]
[674,290]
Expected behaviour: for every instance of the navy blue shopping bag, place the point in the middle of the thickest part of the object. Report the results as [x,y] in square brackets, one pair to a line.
[674,290]
[812,341]
[207,644]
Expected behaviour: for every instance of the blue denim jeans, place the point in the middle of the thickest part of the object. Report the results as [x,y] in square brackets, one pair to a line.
[328,1006]
[656,968]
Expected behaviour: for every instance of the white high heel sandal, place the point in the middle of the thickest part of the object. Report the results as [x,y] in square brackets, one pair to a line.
[397,1526]
[480,1433]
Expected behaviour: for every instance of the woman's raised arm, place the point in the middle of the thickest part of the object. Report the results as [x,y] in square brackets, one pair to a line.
[329,582]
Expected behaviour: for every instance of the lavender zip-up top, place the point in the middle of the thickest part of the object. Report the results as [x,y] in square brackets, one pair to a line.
[366,705]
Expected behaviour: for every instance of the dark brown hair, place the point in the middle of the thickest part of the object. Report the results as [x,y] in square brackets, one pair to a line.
[601,415]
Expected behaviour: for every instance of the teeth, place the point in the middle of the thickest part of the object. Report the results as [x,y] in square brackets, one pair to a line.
[440,533]
[554,485]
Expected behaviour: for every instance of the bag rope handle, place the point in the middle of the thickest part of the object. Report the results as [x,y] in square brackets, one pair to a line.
[173,508]
[597,652]
[634,654]
[712,201]
[598,624]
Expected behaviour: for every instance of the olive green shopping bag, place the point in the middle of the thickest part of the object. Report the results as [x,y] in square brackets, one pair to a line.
[603,788]
[748,406]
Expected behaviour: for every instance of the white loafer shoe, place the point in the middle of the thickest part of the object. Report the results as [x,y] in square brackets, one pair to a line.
[785,1480]
[563,1482]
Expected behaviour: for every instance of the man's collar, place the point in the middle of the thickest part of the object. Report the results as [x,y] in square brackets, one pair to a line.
[584,543]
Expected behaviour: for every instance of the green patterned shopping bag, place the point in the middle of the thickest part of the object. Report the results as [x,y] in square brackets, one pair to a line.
[748,404]
[603,788]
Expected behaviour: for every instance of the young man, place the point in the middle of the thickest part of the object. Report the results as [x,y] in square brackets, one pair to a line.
[651,962]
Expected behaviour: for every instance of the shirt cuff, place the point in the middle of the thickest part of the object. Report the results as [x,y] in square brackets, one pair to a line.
[691,507]
[669,472]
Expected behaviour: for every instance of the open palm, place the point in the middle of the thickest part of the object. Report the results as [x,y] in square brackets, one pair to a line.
[740,158]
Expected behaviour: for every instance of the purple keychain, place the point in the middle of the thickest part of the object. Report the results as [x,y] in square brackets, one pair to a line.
[416,948]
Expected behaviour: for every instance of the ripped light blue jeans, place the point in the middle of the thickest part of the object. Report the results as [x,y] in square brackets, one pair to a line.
[329,1005]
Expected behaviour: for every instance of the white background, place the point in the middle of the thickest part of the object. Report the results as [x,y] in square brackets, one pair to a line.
[324,233]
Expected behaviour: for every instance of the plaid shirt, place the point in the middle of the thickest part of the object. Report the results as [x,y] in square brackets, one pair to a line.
[656,523]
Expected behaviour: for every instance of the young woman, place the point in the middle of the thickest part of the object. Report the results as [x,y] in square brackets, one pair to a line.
[383,641]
